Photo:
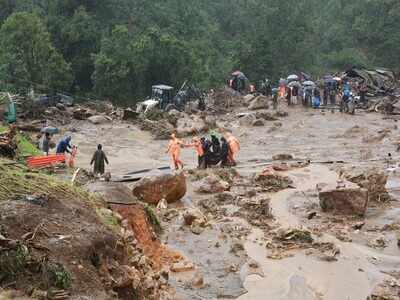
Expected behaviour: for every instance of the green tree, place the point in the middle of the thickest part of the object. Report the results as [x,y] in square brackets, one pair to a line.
[27,57]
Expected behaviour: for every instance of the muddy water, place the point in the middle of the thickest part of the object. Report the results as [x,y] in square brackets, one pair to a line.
[303,277]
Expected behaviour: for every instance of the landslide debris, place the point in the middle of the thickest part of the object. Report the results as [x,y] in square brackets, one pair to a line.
[58,241]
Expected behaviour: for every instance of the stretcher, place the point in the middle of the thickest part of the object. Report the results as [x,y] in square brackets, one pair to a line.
[52,159]
[44,161]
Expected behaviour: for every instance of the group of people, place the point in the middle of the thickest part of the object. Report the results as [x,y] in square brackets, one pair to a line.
[331,92]
[210,152]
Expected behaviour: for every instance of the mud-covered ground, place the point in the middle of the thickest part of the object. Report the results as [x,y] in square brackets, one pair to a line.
[235,254]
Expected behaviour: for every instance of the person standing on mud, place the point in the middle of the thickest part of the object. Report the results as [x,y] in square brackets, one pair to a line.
[196,143]
[234,147]
[46,143]
[224,152]
[99,159]
[363,92]
[174,149]
[289,95]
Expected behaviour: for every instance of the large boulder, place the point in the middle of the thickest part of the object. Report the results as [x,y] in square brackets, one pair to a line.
[189,125]
[171,187]
[260,102]
[372,179]
[99,119]
[212,184]
[346,198]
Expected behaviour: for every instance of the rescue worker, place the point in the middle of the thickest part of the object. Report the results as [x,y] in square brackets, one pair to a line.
[197,145]
[174,149]
[206,144]
[234,147]
[224,152]
[216,146]
[64,146]
[99,159]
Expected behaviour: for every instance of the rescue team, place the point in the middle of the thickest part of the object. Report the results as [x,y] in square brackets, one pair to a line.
[209,152]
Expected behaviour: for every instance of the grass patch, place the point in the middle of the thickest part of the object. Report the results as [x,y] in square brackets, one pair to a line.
[17,181]
[3,128]
[108,218]
[25,147]
[153,219]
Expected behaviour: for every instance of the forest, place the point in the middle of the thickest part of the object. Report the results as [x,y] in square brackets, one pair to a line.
[117,49]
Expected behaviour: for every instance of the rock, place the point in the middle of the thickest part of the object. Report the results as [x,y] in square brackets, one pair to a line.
[349,199]
[60,106]
[237,247]
[183,266]
[130,114]
[372,179]
[198,280]
[260,102]
[189,125]
[266,115]
[247,119]
[191,215]
[171,187]
[248,98]
[296,235]
[281,114]
[272,181]
[99,119]
[258,123]
[311,215]
[225,197]
[358,225]
[81,114]
[212,184]
[282,156]
[197,227]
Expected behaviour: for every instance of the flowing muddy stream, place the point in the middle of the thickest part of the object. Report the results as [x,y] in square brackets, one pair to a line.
[302,277]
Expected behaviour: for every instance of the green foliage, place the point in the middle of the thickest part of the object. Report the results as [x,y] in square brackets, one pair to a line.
[153,219]
[57,275]
[118,49]
[27,57]
[25,147]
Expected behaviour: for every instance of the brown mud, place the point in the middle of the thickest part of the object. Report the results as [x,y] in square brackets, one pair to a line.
[329,140]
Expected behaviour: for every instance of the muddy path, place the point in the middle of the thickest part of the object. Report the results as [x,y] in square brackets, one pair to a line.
[363,139]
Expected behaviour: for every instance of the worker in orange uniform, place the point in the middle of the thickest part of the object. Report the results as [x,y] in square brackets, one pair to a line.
[234,147]
[174,148]
[198,146]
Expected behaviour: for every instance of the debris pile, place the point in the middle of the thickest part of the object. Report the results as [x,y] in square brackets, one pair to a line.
[224,99]
[45,251]
[371,179]
[8,147]
[271,181]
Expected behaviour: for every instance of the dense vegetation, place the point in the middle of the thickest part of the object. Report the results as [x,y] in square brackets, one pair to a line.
[118,48]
